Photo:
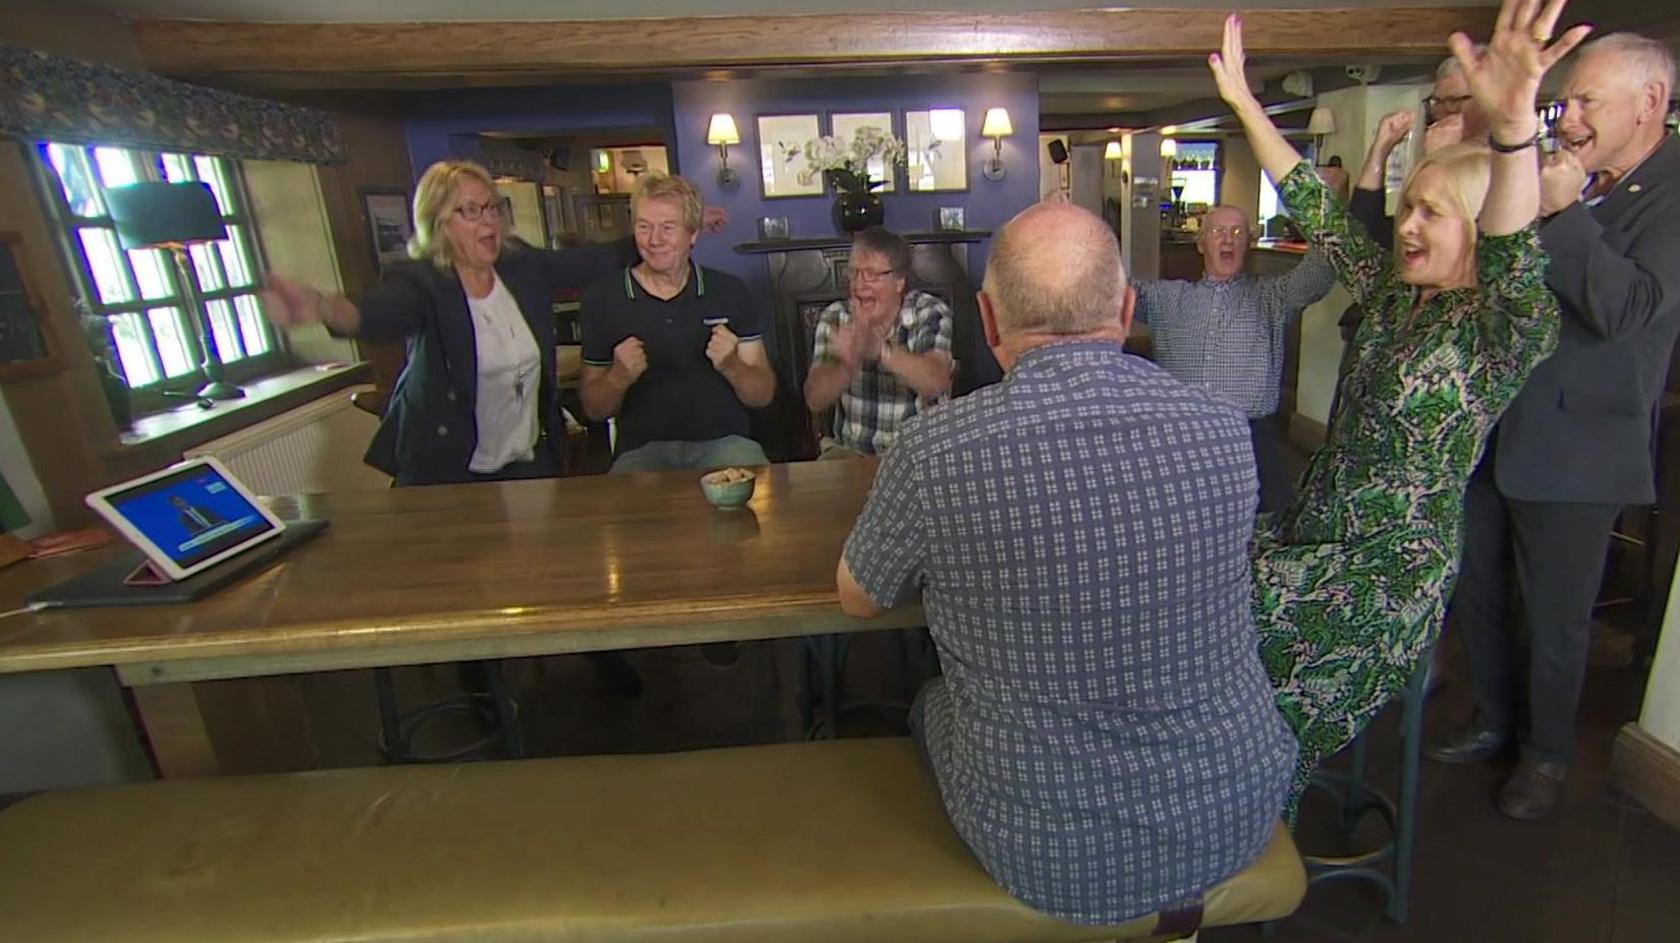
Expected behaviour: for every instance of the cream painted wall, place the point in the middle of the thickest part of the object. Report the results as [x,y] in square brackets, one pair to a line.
[291,218]
[1239,182]
[1661,714]
[1357,112]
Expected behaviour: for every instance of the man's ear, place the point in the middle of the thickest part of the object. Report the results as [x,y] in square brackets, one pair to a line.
[1128,306]
[988,321]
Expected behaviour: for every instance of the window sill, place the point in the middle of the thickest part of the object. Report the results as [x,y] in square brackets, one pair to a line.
[180,429]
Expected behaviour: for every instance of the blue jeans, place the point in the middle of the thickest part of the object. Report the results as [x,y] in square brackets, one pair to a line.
[704,456]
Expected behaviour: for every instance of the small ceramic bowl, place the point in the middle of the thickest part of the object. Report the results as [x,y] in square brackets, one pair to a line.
[728,494]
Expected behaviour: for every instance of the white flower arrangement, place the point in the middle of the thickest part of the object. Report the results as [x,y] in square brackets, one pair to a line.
[846,163]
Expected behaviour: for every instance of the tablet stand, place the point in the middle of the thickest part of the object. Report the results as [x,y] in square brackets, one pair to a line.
[147,574]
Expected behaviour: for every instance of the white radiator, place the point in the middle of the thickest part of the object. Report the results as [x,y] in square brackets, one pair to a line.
[314,448]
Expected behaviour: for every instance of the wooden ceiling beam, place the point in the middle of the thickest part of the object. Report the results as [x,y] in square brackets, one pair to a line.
[210,49]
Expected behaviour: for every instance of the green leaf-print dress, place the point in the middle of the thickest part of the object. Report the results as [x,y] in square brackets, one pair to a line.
[1352,579]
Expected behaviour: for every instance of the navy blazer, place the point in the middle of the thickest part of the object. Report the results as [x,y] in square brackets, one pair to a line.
[429,430]
[1580,430]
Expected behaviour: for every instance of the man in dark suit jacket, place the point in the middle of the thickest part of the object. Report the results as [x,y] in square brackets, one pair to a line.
[1575,446]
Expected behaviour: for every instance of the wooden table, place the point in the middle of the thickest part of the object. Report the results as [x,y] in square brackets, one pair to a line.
[438,574]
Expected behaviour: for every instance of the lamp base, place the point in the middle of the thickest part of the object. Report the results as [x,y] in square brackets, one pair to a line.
[728,179]
[993,169]
[220,390]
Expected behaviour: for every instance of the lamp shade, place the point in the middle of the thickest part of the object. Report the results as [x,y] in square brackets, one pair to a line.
[996,124]
[156,213]
[1112,151]
[1322,121]
[1169,147]
[722,130]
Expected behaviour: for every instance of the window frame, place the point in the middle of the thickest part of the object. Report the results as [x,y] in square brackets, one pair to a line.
[168,392]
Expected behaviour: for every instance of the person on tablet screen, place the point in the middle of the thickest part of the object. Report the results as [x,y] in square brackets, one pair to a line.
[194,518]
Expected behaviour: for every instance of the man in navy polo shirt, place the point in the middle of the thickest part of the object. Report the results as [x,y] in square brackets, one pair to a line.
[673,349]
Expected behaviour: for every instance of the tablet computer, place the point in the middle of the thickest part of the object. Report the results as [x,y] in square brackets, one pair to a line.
[188,517]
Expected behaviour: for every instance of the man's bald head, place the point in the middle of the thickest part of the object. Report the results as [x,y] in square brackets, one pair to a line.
[1055,269]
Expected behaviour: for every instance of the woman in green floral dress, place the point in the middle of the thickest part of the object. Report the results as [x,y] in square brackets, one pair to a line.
[1352,579]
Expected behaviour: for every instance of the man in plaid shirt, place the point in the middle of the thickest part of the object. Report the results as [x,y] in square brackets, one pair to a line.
[882,354]
[1226,333]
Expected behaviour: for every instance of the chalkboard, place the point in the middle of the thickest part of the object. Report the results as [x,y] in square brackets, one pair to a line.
[23,338]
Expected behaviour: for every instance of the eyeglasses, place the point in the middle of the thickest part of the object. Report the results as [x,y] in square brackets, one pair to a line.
[1451,105]
[473,212]
[871,274]
[1235,232]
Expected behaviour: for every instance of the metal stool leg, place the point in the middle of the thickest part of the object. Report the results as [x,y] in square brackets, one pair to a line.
[1405,829]
[507,713]
[390,718]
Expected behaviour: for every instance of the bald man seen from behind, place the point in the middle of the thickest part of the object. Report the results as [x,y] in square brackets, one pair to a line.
[1103,737]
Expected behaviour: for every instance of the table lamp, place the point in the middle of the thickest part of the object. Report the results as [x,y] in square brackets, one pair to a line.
[173,216]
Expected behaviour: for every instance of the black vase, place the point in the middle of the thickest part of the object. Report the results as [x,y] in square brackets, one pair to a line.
[854,211]
[116,395]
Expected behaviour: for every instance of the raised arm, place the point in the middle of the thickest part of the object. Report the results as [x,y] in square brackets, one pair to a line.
[395,309]
[1302,285]
[1391,130]
[1504,81]
[574,269]
[1277,156]
[1359,262]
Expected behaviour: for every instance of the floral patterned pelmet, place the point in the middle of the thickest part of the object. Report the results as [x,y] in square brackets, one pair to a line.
[54,98]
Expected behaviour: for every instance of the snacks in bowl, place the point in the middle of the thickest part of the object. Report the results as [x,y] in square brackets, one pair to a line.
[728,487]
[728,476]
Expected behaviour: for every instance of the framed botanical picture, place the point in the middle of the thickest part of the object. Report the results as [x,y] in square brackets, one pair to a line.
[772,228]
[937,140]
[781,155]
[949,219]
[846,125]
[389,225]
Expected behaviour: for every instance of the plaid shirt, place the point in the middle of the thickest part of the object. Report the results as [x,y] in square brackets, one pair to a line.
[876,403]
[1228,337]
[1104,737]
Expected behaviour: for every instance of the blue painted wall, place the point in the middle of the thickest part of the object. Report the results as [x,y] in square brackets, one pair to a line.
[988,203]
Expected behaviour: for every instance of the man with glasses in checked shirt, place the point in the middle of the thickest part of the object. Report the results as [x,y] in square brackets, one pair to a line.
[882,354]
[1226,334]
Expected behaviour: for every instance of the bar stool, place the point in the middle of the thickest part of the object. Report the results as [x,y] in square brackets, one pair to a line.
[1389,865]
[494,707]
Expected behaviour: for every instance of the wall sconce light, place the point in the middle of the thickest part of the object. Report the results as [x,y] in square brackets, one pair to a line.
[603,161]
[1322,122]
[997,127]
[1112,151]
[1169,148]
[721,134]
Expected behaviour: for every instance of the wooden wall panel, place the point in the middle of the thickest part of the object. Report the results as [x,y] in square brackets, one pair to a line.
[509,50]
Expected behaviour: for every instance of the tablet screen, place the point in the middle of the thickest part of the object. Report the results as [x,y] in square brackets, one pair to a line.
[191,515]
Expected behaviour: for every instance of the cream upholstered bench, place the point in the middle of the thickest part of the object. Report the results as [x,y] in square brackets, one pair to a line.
[823,842]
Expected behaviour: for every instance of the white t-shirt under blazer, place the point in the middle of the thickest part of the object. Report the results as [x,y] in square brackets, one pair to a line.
[509,368]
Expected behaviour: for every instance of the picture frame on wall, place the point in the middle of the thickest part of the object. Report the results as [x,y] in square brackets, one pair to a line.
[781,155]
[845,124]
[389,224]
[936,140]
[772,228]
[950,219]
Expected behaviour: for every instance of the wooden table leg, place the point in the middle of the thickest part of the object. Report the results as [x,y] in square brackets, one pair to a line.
[208,728]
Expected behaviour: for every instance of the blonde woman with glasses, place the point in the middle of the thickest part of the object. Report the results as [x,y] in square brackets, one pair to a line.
[477,400]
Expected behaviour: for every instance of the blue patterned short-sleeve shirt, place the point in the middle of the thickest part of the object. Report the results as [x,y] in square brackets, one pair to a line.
[1104,736]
